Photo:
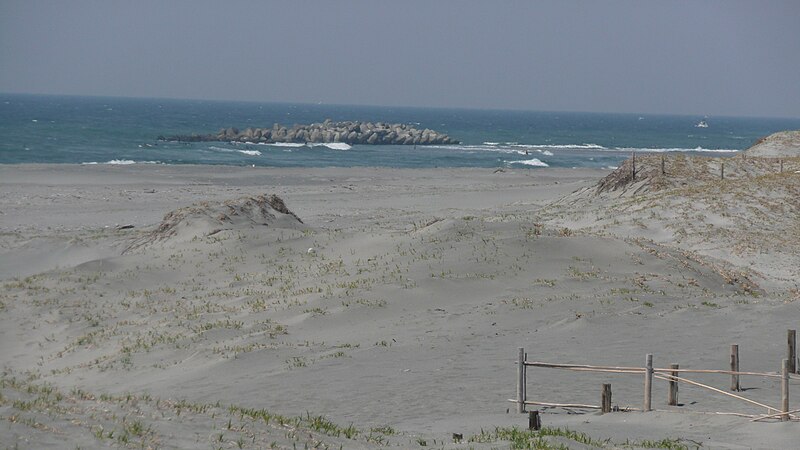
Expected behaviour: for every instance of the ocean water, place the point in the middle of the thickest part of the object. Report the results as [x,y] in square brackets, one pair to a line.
[101,130]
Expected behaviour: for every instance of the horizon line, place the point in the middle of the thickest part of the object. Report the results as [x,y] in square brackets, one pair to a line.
[370,105]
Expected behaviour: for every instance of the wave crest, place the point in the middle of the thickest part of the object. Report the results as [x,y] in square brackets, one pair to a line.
[531,162]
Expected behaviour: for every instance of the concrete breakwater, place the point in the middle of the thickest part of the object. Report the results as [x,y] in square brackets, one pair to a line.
[348,132]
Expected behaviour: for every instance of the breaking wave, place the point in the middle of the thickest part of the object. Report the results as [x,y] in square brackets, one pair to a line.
[236,150]
[333,145]
[120,162]
[530,162]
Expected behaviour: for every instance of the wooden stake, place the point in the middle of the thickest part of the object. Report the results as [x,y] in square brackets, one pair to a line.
[791,350]
[673,388]
[521,381]
[633,166]
[663,171]
[785,390]
[648,382]
[735,368]
[534,421]
[722,170]
[781,166]
[605,399]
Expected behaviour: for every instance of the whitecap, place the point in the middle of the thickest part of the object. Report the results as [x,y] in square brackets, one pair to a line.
[562,146]
[675,149]
[531,162]
[232,150]
[120,162]
[287,144]
[334,145]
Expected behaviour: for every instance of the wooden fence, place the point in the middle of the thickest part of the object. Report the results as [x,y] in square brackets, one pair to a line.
[673,375]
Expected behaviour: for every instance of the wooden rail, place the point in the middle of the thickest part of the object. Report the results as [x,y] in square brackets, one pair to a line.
[673,376]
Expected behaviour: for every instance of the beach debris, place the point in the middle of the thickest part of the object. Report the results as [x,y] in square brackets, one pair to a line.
[124,227]
[312,251]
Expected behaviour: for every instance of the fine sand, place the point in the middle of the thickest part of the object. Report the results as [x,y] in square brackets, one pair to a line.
[383,307]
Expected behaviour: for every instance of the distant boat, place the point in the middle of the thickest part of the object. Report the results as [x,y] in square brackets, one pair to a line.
[702,124]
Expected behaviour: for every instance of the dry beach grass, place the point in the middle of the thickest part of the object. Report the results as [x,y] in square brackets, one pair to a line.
[222,330]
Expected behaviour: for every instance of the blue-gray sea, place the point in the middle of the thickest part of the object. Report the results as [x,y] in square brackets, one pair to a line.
[105,130]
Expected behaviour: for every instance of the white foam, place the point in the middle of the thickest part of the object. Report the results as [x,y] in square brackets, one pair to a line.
[287,144]
[531,162]
[231,150]
[666,150]
[562,146]
[125,162]
[121,162]
[334,145]
[514,147]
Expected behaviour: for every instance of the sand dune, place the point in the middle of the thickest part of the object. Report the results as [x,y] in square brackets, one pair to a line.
[402,326]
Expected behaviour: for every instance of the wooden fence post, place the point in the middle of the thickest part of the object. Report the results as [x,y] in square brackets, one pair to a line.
[781,166]
[534,421]
[785,390]
[633,166]
[673,387]
[521,381]
[791,350]
[722,170]
[648,383]
[735,368]
[605,399]
[663,170]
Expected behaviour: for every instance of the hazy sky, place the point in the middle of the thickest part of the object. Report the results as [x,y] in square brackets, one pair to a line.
[695,57]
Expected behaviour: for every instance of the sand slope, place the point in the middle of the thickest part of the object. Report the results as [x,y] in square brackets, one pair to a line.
[781,144]
[402,326]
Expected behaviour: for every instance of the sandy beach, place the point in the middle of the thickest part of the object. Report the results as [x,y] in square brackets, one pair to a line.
[388,308]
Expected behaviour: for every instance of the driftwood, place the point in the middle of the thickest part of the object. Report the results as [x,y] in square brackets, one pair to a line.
[776,415]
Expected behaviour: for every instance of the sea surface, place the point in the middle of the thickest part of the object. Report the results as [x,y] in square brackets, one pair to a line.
[105,130]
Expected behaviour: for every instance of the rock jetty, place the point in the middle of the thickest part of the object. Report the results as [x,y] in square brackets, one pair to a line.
[326,132]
